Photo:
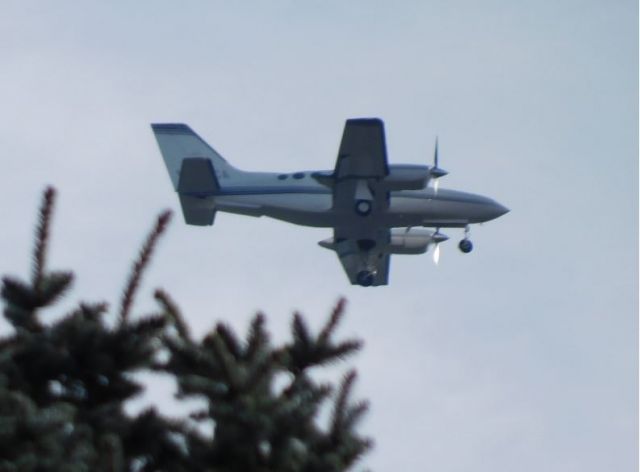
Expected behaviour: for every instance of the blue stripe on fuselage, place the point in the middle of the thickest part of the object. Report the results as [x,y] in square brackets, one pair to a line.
[256,190]
[443,195]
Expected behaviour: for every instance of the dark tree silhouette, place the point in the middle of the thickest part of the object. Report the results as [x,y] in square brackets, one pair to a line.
[64,384]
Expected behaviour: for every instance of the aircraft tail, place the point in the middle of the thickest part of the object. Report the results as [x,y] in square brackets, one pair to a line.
[195,169]
[177,142]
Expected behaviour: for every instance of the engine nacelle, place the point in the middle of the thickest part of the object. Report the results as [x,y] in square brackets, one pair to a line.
[413,241]
[403,241]
[406,177]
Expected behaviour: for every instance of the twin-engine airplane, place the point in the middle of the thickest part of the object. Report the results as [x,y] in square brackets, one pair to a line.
[375,209]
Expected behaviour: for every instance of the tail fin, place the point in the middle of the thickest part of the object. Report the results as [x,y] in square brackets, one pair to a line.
[195,169]
[177,141]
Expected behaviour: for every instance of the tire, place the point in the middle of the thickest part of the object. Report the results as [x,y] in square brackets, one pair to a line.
[465,246]
[363,207]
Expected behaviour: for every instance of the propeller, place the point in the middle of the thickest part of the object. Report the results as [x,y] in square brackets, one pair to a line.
[436,172]
[438,238]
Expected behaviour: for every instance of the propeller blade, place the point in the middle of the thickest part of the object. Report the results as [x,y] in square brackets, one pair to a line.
[436,254]
[435,171]
[436,184]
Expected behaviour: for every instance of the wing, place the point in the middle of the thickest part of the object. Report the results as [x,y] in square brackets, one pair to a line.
[364,260]
[362,171]
[363,152]
[361,165]
[366,269]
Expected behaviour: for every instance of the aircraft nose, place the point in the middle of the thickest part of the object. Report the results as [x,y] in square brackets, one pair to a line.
[496,210]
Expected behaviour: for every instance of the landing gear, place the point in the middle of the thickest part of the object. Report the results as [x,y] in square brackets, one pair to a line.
[363,207]
[466,246]
[365,278]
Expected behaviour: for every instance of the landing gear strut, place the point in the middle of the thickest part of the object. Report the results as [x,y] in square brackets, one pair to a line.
[465,245]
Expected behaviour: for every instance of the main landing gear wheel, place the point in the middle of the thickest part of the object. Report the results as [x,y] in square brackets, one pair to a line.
[363,207]
[465,246]
[365,278]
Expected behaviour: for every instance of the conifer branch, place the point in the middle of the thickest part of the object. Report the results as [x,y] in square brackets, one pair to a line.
[52,286]
[300,331]
[18,295]
[340,408]
[345,348]
[20,304]
[230,340]
[258,338]
[93,311]
[225,361]
[42,236]
[141,264]
[86,311]
[260,370]
[354,414]
[172,310]
[147,326]
[334,319]
[303,386]
[63,386]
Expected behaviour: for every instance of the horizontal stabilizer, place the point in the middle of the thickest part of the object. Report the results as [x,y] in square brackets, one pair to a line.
[197,177]
[196,184]
[198,211]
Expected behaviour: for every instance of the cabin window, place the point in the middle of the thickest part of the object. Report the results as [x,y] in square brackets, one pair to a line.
[282,176]
[298,175]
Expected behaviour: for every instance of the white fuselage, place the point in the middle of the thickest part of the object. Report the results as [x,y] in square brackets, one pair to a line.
[300,199]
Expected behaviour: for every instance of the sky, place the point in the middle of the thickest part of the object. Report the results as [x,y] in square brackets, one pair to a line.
[522,355]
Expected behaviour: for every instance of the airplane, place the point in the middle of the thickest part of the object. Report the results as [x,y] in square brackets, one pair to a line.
[376,209]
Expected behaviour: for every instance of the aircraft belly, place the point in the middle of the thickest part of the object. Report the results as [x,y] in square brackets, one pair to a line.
[301,209]
[316,210]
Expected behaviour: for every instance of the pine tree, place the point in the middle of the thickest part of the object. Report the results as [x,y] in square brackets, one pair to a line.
[64,384]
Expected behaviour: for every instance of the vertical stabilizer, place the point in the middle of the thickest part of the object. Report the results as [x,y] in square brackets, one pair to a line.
[178,142]
[196,170]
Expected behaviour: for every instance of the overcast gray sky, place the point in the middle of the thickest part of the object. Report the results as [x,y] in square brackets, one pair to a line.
[520,356]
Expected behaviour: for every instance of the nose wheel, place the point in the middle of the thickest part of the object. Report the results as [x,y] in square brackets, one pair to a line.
[465,245]
[363,207]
